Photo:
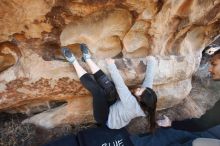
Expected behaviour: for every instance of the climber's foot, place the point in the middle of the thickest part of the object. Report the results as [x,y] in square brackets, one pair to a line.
[68,55]
[85,52]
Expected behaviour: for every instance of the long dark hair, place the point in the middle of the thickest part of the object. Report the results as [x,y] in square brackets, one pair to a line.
[148,103]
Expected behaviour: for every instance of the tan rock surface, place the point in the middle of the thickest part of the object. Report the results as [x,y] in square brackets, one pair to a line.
[136,37]
[34,77]
[43,80]
[22,15]
[78,110]
[9,55]
[99,30]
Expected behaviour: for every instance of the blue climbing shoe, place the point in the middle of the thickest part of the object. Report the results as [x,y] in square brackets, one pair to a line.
[85,52]
[68,55]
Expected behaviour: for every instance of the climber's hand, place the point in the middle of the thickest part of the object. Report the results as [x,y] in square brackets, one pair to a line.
[166,122]
[110,61]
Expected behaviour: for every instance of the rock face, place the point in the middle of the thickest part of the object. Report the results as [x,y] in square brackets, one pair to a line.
[24,16]
[36,80]
[99,31]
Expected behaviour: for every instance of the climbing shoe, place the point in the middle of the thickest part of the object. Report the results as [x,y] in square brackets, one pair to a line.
[68,54]
[85,52]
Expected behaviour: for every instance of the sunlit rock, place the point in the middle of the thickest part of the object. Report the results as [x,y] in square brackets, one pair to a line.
[35,78]
[77,111]
[23,15]
[101,30]
[136,38]
[9,55]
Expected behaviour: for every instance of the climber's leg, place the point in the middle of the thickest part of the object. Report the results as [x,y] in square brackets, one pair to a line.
[100,104]
[100,76]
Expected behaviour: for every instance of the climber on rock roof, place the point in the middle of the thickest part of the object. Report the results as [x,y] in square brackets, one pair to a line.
[162,136]
[113,104]
[181,132]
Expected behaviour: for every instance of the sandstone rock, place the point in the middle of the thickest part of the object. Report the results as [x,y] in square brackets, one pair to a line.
[132,70]
[168,69]
[136,37]
[172,94]
[6,61]
[175,16]
[103,28]
[204,12]
[109,47]
[83,9]
[9,55]
[23,15]
[38,85]
[141,5]
[150,10]
[139,53]
[77,111]
[35,78]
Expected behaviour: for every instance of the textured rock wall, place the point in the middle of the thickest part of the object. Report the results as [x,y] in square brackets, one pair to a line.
[35,78]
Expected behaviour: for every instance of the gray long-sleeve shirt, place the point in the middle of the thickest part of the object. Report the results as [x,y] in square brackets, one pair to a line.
[126,108]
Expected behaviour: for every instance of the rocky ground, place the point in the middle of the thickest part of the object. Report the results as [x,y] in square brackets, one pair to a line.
[13,133]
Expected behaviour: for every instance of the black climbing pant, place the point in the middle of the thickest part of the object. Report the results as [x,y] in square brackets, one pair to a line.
[103,92]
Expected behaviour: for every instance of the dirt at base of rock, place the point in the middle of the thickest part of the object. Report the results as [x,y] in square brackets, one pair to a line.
[13,133]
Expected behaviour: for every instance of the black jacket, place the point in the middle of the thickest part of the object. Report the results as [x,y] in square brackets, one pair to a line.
[210,119]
